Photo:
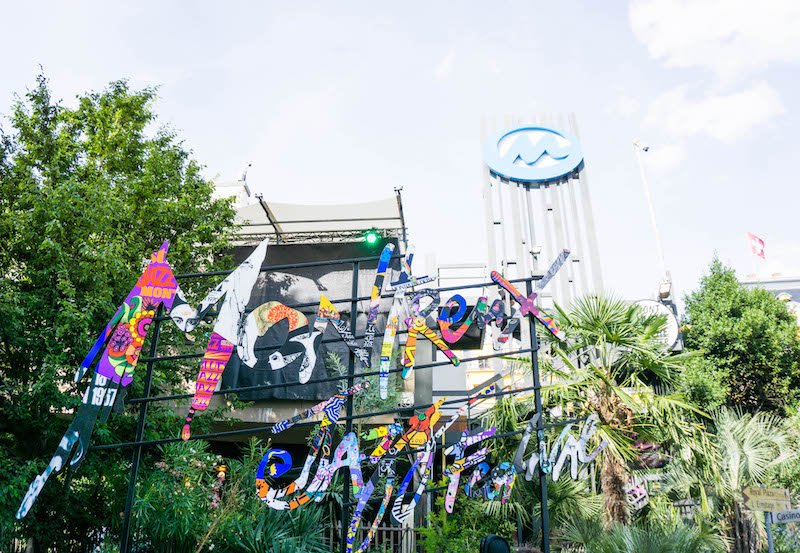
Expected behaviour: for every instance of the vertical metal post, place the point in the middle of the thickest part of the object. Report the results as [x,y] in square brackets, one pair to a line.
[125,534]
[398,191]
[351,366]
[537,397]
[770,540]
[638,147]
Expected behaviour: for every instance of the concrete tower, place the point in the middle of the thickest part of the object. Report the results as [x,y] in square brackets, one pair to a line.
[537,202]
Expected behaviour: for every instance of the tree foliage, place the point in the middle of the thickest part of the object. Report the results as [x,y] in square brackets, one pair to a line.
[193,501]
[87,192]
[746,450]
[612,355]
[748,337]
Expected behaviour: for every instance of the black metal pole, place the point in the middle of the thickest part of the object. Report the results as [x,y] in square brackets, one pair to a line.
[537,397]
[124,538]
[398,192]
[351,367]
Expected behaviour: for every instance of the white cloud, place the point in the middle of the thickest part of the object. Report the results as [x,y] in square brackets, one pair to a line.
[445,67]
[724,117]
[728,37]
[663,159]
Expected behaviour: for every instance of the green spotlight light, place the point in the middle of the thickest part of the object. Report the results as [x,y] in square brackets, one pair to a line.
[371,237]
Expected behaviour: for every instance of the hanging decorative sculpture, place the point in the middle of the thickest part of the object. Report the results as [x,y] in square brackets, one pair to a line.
[122,339]
[331,409]
[526,304]
[397,312]
[566,446]
[327,313]
[121,343]
[234,293]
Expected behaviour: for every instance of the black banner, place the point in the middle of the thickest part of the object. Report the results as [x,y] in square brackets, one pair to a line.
[301,288]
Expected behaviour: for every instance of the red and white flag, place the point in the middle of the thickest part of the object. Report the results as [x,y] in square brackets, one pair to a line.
[756,244]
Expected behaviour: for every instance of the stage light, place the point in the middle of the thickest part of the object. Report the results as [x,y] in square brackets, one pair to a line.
[371,237]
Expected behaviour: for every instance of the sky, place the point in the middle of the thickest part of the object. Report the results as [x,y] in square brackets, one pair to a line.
[343,102]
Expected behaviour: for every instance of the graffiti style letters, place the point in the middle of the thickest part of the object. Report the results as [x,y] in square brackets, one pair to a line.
[499,483]
[327,313]
[385,470]
[445,319]
[405,281]
[462,462]
[416,326]
[331,406]
[122,339]
[234,292]
[526,304]
[565,446]
[401,510]
[322,442]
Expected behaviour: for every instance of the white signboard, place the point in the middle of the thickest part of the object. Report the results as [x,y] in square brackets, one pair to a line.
[670,333]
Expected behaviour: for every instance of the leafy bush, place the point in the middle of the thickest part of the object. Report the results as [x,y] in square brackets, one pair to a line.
[463,529]
[279,532]
[703,383]
[191,502]
[590,537]
[175,502]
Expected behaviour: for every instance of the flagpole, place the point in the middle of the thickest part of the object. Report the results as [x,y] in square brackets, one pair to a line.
[757,248]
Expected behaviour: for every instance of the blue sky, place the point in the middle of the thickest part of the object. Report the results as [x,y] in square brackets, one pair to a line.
[338,102]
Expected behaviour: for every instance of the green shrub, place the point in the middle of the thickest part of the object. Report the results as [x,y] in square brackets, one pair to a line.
[463,529]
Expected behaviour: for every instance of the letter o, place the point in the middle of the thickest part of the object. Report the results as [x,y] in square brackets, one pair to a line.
[275,463]
[456,301]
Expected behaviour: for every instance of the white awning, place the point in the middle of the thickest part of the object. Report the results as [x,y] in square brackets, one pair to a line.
[290,222]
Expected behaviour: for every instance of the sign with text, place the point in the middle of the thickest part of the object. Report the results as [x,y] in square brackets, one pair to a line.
[784,517]
[766,499]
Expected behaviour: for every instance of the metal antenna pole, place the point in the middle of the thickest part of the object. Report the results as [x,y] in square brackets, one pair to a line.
[351,367]
[638,147]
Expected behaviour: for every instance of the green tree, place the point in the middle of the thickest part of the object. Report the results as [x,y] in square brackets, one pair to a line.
[87,192]
[747,449]
[612,355]
[748,336]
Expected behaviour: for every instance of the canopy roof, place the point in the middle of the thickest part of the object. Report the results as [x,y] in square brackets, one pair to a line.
[298,223]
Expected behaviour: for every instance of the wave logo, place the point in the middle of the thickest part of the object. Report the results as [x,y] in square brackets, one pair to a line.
[532,154]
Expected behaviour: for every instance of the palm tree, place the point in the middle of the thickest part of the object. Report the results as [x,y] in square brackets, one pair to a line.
[567,498]
[612,354]
[589,537]
[746,447]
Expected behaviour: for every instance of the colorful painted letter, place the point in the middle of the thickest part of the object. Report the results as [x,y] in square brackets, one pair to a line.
[234,292]
[121,342]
